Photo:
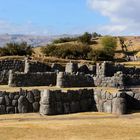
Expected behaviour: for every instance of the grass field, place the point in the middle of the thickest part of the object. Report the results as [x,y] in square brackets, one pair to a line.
[81,126]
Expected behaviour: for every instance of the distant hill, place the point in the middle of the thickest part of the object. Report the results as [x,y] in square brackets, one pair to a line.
[30,39]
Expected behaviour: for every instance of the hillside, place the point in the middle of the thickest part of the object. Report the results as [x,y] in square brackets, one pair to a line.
[133,45]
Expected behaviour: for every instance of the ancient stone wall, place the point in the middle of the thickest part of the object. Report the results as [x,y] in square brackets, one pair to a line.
[115,103]
[74,80]
[17,79]
[59,102]
[34,66]
[37,67]
[106,71]
[4,76]
[19,102]
[115,81]
[16,65]
[133,99]
[53,102]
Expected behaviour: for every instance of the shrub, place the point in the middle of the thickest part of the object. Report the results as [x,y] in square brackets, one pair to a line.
[73,51]
[16,49]
[94,35]
[63,40]
[85,38]
[109,45]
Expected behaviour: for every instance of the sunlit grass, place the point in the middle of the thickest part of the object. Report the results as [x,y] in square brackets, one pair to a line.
[81,126]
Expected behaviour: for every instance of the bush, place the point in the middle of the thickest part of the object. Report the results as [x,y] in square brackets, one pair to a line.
[63,40]
[85,38]
[72,51]
[20,49]
[109,45]
[94,35]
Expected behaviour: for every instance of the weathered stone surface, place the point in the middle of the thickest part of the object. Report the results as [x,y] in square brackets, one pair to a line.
[45,110]
[83,69]
[119,106]
[66,107]
[74,107]
[45,97]
[59,108]
[100,105]
[22,104]
[57,68]
[71,67]
[46,105]
[7,100]
[16,97]
[36,106]
[30,97]
[10,110]
[33,79]
[14,102]
[36,95]
[16,110]
[137,96]
[11,96]
[2,101]
[108,106]
[2,109]
[83,105]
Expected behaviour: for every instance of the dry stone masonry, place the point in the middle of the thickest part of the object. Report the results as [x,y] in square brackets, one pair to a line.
[25,73]
[19,102]
[55,102]
[17,79]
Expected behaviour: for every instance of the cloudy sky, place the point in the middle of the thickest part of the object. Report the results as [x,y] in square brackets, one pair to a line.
[51,17]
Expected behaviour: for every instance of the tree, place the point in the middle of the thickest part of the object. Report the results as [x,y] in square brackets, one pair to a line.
[109,44]
[67,50]
[16,49]
[94,35]
[85,38]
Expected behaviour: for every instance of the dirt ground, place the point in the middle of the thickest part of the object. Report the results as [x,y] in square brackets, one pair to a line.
[80,126]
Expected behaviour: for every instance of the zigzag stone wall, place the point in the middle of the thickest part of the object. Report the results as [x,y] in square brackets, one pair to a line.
[74,80]
[59,102]
[16,65]
[17,79]
[19,102]
[54,102]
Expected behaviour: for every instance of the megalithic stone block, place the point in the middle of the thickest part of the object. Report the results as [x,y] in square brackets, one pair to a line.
[27,66]
[60,79]
[71,67]
[119,106]
[46,104]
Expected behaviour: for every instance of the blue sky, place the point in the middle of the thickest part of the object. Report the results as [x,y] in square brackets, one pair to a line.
[45,17]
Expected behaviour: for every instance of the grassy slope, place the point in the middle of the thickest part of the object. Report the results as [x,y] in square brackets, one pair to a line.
[81,126]
[135,46]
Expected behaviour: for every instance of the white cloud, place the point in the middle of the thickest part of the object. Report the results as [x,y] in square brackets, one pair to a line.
[26,28]
[123,14]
